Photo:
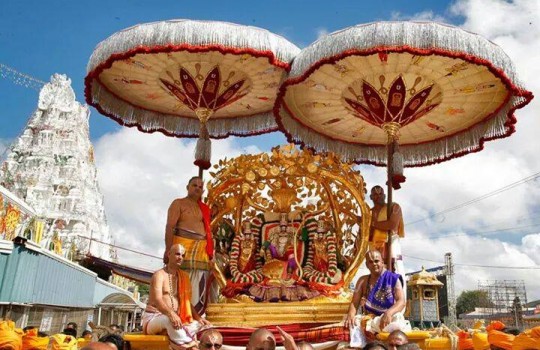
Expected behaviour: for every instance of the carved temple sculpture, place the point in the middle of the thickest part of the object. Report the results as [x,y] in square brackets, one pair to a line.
[300,227]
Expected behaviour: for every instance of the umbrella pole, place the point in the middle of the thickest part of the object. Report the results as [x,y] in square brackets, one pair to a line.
[201,171]
[389,172]
[392,131]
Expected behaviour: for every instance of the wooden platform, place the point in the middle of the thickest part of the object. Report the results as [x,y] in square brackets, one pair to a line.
[262,314]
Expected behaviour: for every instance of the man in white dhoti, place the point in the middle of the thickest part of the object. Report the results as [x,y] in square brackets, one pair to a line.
[169,306]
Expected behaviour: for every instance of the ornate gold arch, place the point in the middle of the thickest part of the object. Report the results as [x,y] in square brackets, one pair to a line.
[290,180]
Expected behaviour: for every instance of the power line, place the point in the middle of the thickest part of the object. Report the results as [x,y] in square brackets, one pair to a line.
[122,248]
[478,199]
[479,233]
[20,78]
[479,266]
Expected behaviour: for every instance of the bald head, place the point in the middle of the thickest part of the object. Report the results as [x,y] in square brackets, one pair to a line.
[175,256]
[178,247]
[397,338]
[377,189]
[377,195]
[375,262]
[261,339]
[373,254]
[211,338]
[98,346]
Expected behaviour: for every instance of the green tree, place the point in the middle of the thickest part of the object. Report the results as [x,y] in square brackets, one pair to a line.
[469,299]
[144,289]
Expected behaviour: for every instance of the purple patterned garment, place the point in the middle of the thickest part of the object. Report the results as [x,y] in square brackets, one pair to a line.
[381,297]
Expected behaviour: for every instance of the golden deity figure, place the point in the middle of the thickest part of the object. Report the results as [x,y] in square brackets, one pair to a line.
[279,251]
[244,264]
[321,266]
[246,260]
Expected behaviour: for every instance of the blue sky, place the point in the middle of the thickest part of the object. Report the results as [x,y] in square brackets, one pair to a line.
[40,38]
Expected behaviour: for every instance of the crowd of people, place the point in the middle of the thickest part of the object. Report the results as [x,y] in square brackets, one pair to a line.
[30,338]
[264,339]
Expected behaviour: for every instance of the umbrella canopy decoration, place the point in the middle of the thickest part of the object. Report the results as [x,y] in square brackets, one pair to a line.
[189,78]
[437,90]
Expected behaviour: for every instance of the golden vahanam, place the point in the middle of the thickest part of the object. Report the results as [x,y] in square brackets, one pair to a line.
[288,180]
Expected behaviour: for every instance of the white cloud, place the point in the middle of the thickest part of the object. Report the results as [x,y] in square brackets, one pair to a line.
[321,31]
[4,145]
[420,16]
[140,174]
[513,25]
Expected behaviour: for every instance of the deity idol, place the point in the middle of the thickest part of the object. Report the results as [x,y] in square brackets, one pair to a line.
[280,245]
[321,266]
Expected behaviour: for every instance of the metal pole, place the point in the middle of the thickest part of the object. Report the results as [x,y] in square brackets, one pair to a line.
[451,295]
[392,132]
[389,172]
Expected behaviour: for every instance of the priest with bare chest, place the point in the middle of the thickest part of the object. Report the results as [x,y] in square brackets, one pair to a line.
[169,306]
[188,224]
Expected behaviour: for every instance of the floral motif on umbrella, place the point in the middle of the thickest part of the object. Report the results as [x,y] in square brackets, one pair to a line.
[190,78]
[440,91]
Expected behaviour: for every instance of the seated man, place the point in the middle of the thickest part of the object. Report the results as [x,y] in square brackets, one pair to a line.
[380,293]
[169,306]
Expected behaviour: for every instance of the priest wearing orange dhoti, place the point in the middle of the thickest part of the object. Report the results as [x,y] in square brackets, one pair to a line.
[169,306]
[188,224]
[382,225]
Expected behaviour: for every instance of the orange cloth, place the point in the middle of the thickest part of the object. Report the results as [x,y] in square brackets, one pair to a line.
[530,339]
[535,332]
[196,257]
[206,214]
[31,341]
[495,326]
[63,342]
[10,337]
[184,297]
[501,339]
[480,341]
[464,341]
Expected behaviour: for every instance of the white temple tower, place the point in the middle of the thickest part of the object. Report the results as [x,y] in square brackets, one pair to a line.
[51,166]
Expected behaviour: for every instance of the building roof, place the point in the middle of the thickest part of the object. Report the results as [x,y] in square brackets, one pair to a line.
[32,275]
[21,204]
[424,278]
